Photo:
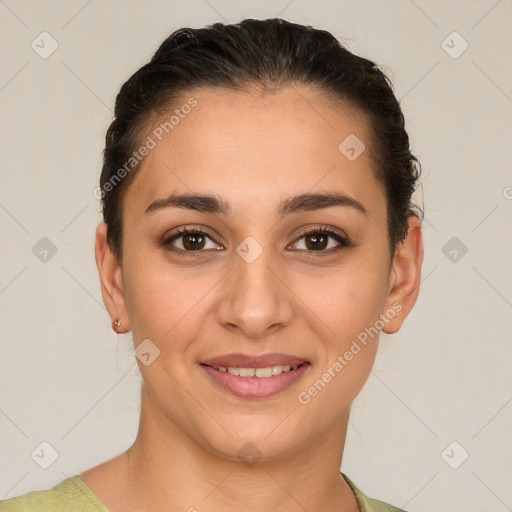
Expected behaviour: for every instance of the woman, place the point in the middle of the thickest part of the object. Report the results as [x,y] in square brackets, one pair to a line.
[258,236]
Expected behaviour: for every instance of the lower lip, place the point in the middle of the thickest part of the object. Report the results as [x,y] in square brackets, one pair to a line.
[255,387]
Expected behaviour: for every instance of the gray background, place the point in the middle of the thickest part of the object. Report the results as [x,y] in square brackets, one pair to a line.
[68,381]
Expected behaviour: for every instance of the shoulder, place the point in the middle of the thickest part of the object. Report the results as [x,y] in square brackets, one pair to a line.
[367,504]
[70,494]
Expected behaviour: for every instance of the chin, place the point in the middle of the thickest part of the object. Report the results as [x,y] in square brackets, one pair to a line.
[255,437]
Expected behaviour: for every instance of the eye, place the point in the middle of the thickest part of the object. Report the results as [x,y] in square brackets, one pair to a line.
[193,240]
[317,240]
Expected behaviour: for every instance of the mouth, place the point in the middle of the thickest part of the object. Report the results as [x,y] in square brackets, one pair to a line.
[255,377]
[261,373]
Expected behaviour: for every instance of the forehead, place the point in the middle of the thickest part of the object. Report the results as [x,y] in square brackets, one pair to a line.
[253,146]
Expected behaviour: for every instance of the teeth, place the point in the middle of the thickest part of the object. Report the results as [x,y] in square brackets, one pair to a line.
[246,372]
[268,371]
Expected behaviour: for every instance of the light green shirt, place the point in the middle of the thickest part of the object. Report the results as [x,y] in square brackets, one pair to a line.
[73,495]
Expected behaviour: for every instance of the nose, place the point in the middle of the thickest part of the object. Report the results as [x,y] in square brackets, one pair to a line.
[255,297]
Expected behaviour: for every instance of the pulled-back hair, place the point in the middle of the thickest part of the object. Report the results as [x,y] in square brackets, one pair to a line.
[259,53]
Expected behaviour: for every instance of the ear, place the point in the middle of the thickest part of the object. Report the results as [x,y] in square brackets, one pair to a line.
[111,277]
[405,276]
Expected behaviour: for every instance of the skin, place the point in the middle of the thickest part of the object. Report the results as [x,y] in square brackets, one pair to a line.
[253,149]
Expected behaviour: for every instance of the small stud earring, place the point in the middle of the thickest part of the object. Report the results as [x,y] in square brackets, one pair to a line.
[116,324]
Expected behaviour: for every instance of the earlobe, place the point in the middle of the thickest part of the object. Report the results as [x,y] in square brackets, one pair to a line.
[405,276]
[111,279]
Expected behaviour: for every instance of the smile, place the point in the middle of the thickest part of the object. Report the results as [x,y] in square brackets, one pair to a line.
[255,382]
[261,373]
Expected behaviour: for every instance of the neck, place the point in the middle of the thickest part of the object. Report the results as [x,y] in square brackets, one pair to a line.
[168,470]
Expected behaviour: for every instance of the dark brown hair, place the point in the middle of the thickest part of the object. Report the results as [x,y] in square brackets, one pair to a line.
[266,53]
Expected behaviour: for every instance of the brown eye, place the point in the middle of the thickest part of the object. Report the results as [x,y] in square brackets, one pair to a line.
[193,241]
[189,240]
[318,240]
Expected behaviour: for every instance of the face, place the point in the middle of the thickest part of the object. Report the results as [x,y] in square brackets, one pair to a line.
[286,273]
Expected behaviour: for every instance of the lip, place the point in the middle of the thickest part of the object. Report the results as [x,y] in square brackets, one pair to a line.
[255,387]
[247,361]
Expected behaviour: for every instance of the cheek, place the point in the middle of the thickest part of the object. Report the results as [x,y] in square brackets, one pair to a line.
[330,391]
[348,306]
[164,302]
[346,299]
[351,309]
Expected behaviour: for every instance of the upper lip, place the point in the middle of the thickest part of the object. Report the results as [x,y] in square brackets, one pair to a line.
[248,361]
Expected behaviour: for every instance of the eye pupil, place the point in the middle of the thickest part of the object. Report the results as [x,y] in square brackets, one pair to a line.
[315,238]
[194,244]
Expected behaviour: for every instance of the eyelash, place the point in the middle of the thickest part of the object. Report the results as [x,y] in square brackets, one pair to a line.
[343,241]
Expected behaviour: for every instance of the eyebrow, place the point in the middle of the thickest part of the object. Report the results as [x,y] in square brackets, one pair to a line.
[217,205]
